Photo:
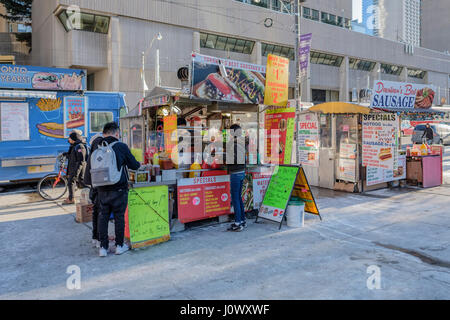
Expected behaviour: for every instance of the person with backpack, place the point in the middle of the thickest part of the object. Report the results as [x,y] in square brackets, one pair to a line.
[93,192]
[77,157]
[109,165]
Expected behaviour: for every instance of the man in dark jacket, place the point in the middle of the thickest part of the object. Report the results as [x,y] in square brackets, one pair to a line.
[77,156]
[114,198]
[93,193]
[428,134]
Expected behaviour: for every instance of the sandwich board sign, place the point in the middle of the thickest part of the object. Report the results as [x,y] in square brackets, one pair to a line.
[148,216]
[286,181]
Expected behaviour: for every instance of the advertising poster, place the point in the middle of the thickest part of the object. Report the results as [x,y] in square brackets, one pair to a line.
[75,110]
[29,77]
[260,183]
[304,49]
[243,82]
[14,121]
[399,95]
[308,140]
[148,216]
[170,136]
[379,141]
[205,197]
[277,81]
[376,175]
[347,162]
[279,135]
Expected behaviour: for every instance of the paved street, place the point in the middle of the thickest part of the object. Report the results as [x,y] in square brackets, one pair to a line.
[404,232]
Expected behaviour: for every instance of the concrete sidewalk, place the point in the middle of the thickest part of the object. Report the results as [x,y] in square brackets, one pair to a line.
[405,232]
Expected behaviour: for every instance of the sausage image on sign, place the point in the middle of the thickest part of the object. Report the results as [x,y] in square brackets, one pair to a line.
[385,154]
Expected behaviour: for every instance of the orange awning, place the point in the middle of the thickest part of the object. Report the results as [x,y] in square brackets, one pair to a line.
[339,107]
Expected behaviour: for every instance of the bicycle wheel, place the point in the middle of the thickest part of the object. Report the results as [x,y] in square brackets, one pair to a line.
[49,188]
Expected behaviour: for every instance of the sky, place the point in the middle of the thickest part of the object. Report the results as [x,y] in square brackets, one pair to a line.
[357,10]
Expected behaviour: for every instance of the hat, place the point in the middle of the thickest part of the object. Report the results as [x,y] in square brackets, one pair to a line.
[75,136]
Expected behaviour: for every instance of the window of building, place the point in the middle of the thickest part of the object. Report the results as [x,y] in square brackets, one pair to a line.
[307,13]
[212,41]
[340,21]
[315,15]
[391,69]
[326,59]
[324,17]
[363,65]
[415,73]
[84,21]
[99,119]
[90,82]
[286,52]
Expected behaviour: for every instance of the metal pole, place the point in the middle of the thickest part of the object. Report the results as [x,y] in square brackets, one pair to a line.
[297,58]
[143,74]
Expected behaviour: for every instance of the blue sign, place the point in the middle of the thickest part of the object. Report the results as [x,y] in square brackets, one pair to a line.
[39,78]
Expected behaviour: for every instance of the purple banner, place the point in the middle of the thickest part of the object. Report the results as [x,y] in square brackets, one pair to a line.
[303,53]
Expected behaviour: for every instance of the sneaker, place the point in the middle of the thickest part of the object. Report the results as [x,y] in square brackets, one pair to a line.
[239,228]
[122,249]
[102,252]
[68,201]
[244,224]
[233,226]
[95,243]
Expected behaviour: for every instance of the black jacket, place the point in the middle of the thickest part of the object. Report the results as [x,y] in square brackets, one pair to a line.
[428,133]
[77,156]
[239,163]
[87,174]
[124,158]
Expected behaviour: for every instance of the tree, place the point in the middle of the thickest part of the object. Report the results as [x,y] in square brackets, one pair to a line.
[19,11]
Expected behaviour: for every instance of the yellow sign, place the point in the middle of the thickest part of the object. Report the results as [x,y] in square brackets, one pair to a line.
[170,137]
[303,191]
[277,81]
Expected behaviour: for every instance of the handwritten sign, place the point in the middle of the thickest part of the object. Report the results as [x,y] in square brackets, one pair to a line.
[14,122]
[302,190]
[278,193]
[148,216]
[277,81]
[380,140]
[308,139]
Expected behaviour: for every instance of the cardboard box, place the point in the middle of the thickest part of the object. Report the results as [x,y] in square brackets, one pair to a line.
[84,213]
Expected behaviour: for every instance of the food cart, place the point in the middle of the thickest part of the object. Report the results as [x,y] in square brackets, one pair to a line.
[180,135]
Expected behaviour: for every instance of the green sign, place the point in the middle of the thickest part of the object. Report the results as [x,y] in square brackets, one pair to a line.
[278,193]
[289,140]
[148,215]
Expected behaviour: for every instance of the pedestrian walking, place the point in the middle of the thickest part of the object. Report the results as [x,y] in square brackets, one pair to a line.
[112,185]
[93,192]
[77,157]
[237,175]
[428,134]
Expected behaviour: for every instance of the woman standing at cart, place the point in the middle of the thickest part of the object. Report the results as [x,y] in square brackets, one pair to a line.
[237,175]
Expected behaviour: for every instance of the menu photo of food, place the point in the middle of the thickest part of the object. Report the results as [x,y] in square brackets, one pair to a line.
[241,86]
[398,172]
[76,119]
[424,98]
[385,154]
[51,81]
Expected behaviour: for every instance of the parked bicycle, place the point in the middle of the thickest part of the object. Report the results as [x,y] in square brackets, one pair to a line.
[53,186]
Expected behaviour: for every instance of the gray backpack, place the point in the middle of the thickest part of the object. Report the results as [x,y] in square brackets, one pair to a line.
[104,166]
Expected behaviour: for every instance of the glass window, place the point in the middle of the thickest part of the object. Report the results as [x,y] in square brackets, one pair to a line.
[340,21]
[390,69]
[203,37]
[65,21]
[332,19]
[101,24]
[99,119]
[231,42]
[87,22]
[324,17]
[211,41]
[315,15]
[248,48]
[220,44]
[306,13]
[239,45]
[414,73]
[326,59]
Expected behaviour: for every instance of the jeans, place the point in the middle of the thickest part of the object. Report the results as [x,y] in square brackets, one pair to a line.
[71,184]
[237,180]
[112,202]
[93,195]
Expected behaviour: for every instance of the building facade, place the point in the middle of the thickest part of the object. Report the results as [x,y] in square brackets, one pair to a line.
[435,19]
[107,37]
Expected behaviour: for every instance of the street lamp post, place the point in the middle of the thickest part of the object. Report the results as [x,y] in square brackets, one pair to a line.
[144,54]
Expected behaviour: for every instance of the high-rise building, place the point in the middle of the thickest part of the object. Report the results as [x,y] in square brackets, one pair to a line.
[397,20]
[435,23]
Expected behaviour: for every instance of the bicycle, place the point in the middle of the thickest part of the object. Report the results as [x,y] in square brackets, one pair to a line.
[53,186]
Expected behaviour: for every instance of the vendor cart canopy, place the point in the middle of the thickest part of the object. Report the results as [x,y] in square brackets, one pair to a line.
[339,107]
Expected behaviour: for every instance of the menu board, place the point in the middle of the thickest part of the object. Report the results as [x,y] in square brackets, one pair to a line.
[278,193]
[14,121]
[279,134]
[376,175]
[308,139]
[202,198]
[302,190]
[75,110]
[260,183]
[148,215]
[380,140]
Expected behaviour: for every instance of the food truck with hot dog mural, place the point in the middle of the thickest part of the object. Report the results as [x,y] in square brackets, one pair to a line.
[39,107]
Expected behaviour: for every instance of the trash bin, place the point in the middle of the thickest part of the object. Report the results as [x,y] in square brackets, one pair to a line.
[295,213]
